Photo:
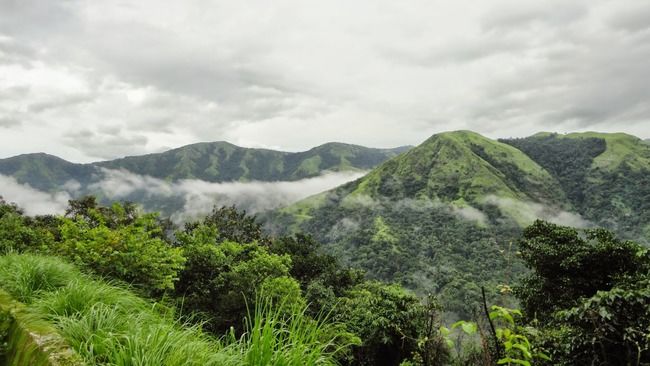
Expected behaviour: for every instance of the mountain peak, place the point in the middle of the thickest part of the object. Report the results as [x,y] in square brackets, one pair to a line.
[619,148]
[460,166]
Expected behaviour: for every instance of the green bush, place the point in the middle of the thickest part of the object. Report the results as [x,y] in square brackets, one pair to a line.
[219,276]
[131,253]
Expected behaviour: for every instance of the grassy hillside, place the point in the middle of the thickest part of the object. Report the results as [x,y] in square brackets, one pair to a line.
[606,177]
[441,217]
[105,324]
[461,166]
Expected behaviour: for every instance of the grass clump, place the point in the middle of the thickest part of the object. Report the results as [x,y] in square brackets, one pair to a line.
[285,335]
[25,277]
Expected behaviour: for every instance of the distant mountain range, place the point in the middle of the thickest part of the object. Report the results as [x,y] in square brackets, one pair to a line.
[442,217]
[167,181]
[210,161]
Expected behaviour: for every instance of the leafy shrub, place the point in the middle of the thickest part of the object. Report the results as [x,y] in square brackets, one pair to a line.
[131,253]
[219,276]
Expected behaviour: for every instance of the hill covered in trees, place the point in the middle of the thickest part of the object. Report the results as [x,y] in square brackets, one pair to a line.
[442,217]
[210,162]
[606,177]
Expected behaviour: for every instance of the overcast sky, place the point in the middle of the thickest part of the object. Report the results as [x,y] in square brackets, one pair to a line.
[98,79]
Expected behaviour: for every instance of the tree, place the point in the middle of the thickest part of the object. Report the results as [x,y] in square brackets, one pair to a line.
[220,277]
[392,324]
[21,233]
[568,265]
[590,294]
[233,225]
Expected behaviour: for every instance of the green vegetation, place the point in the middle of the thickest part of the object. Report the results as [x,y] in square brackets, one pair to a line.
[442,217]
[444,220]
[26,339]
[199,286]
[97,320]
[588,293]
[460,165]
[605,177]
[212,162]
[425,219]
[283,301]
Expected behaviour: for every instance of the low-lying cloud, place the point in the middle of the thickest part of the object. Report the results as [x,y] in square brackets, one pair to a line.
[198,197]
[525,212]
[33,201]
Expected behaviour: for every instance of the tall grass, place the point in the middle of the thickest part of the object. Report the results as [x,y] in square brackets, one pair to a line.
[104,323]
[26,276]
[108,325]
[279,335]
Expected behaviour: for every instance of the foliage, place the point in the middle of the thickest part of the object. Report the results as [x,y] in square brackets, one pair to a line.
[97,319]
[20,233]
[602,175]
[393,324]
[282,334]
[567,266]
[506,341]
[589,295]
[310,265]
[233,225]
[119,243]
[513,338]
[611,327]
[219,276]
[567,159]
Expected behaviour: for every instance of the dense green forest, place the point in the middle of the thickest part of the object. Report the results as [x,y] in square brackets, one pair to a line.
[221,291]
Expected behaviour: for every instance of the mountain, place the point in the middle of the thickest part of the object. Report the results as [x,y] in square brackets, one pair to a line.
[442,217]
[180,181]
[212,162]
[606,177]
[225,162]
[45,172]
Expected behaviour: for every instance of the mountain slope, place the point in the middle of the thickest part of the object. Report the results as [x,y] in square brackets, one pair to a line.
[184,179]
[606,177]
[461,166]
[431,218]
[223,162]
[45,172]
[441,217]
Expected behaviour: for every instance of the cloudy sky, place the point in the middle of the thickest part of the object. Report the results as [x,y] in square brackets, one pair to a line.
[97,79]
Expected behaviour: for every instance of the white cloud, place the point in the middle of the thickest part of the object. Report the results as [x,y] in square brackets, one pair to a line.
[33,201]
[199,197]
[525,212]
[375,73]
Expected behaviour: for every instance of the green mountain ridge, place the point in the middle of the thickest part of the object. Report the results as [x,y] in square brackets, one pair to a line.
[440,218]
[606,176]
[45,172]
[222,162]
[212,162]
[461,166]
